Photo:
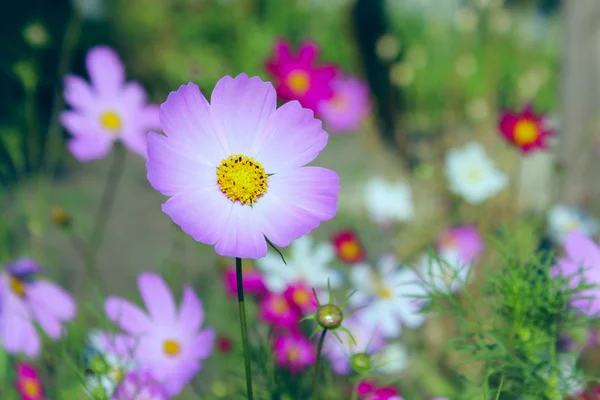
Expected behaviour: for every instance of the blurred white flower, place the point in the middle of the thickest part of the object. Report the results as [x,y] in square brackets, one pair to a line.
[388,295]
[446,273]
[306,262]
[472,175]
[387,47]
[572,381]
[563,219]
[387,201]
[466,19]
[466,65]
[402,74]
[392,359]
[478,109]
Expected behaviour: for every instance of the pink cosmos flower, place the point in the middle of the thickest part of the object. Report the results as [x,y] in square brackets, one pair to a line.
[583,260]
[368,339]
[275,309]
[465,241]
[300,296]
[298,77]
[140,385]
[370,390]
[28,382]
[526,130]
[235,168]
[349,106]
[252,282]
[170,343]
[109,109]
[294,351]
[27,300]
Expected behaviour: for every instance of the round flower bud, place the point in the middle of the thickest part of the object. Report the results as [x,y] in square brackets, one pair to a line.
[99,366]
[361,363]
[329,316]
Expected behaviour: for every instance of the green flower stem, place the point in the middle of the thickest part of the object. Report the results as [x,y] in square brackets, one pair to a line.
[318,364]
[240,294]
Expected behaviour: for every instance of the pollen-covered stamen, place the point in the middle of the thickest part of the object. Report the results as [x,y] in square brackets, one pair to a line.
[298,81]
[526,132]
[242,179]
[17,286]
[350,249]
[31,388]
[171,347]
[110,120]
[293,353]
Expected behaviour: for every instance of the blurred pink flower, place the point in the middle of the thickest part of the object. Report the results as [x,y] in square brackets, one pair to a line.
[140,385]
[294,352]
[252,281]
[349,106]
[28,382]
[465,240]
[525,130]
[275,309]
[109,109]
[170,343]
[235,168]
[370,390]
[298,77]
[300,296]
[25,300]
[583,260]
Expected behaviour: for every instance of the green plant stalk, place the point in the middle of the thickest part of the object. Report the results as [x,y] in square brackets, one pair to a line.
[243,325]
[317,365]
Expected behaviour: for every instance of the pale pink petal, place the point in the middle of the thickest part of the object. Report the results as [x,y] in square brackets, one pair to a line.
[17,332]
[172,167]
[93,148]
[150,116]
[133,95]
[78,93]
[185,118]
[127,316]
[30,340]
[240,108]
[136,142]
[179,378]
[582,250]
[241,236]
[52,299]
[49,323]
[106,70]
[157,298]
[296,203]
[291,138]
[203,343]
[191,313]
[201,213]
[79,125]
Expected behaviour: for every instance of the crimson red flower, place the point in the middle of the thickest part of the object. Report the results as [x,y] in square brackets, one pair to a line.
[28,382]
[301,297]
[589,395]
[224,344]
[347,247]
[297,77]
[525,129]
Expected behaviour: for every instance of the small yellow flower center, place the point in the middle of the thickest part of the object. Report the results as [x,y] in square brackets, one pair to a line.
[384,292]
[339,102]
[17,286]
[298,81]
[301,297]
[526,132]
[110,120]
[171,347]
[473,175]
[242,179]
[293,354]
[116,375]
[280,305]
[349,249]
[449,241]
[31,388]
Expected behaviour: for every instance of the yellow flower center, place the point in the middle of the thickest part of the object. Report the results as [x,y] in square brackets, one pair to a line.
[171,347]
[31,388]
[526,132]
[339,102]
[17,286]
[117,375]
[280,305]
[301,296]
[110,120]
[473,175]
[298,81]
[349,249]
[293,354]
[384,292]
[242,179]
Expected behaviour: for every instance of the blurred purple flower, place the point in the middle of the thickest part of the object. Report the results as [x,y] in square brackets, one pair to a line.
[349,106]
[170,343]
[109,109]
[24,299]
[140,385]
[465,240]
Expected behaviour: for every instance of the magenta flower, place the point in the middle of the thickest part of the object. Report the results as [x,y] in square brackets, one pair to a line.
[235,168]
[525,130]
[465,241]
[583,260]
[140,385]
[301,297]
[349,106]
[275,309]
[28,382]
[294,351]
[27,300]
[370,390]
[298,78]
[252,281]
[109,109]
[368,339]
[170,342]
